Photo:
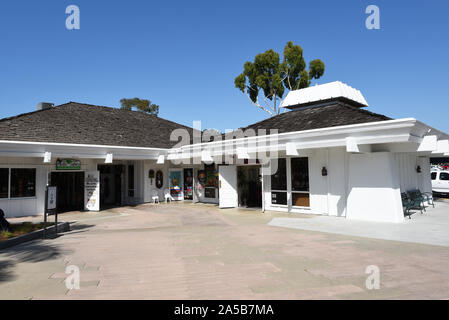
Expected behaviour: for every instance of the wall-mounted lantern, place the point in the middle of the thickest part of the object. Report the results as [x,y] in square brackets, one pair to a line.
[418,169]
[324,172]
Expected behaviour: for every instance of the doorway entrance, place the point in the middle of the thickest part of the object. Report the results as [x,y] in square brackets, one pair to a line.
[188,184]
[110,185]
[70,190]
[249,186]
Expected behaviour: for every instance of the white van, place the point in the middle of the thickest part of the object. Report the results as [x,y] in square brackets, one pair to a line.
[440,181]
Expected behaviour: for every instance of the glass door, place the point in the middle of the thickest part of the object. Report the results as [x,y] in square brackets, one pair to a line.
[175,184]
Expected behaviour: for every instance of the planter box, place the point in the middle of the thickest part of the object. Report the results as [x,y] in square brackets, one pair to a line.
[38,234]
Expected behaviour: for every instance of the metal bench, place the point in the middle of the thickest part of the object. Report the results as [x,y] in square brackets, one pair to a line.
[417,199]
[406,205]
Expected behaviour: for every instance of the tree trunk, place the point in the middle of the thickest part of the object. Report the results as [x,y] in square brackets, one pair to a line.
[275,108]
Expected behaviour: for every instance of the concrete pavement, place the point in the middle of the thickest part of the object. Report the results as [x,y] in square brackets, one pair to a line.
[431,227]
[183,251]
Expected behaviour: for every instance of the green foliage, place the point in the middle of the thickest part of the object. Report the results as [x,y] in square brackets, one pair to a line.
[271,77]
[140,105]
[6,235]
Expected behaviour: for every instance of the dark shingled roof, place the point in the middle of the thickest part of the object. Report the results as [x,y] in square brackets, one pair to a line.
[88,124]
[317,118]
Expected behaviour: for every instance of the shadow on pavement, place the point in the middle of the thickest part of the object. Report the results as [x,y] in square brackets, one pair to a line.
[33,252]
[6,273]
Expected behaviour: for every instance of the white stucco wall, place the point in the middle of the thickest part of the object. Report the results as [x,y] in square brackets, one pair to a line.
[406,165]
[410,179]
[149,185]
[337,181]
[374,188]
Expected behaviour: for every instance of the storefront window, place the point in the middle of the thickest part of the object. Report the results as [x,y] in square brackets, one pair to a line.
[300,182]
[300,174]
[23,183]
[4,182]
[279,179]
[279,182]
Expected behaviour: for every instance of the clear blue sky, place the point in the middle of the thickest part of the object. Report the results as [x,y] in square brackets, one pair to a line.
[184,55]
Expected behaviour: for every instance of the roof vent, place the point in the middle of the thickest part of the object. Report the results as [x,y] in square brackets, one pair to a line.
[45,105]
[324,94]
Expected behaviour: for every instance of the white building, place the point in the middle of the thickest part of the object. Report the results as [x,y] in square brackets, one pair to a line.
[332,158]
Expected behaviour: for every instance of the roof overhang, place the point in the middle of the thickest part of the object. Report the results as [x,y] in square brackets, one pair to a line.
[379,136]
[82,151]
[402,135]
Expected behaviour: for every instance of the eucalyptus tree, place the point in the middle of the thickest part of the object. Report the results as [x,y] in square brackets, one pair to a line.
[268,77]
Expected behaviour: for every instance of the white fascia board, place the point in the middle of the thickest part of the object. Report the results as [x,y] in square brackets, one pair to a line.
[134,157]
[428,130]
[361,129]
[30,149]
[7,142]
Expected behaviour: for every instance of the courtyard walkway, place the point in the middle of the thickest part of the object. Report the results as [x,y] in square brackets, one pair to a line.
[184,251]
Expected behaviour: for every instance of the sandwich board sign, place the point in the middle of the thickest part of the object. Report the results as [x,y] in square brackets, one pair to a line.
[92,191]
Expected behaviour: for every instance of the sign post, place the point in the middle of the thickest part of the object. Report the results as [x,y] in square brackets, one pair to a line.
[50,207]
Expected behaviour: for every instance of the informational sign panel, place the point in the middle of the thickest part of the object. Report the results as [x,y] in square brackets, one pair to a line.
[92,191]
[51,198]
[51,208]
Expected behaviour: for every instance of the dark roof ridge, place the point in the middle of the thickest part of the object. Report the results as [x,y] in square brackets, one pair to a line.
[364,111]
[123,110]
[89,105]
